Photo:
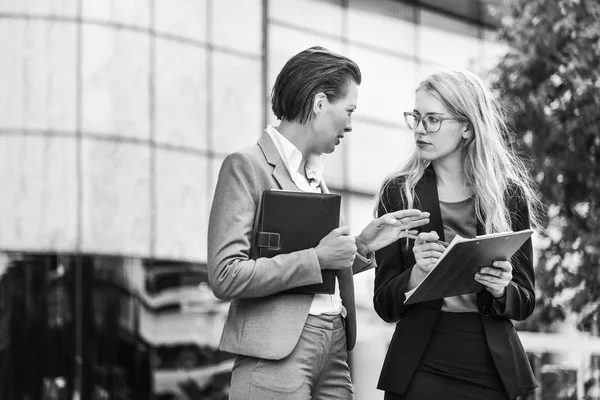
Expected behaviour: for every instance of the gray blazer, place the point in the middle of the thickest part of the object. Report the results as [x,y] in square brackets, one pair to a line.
[262,322]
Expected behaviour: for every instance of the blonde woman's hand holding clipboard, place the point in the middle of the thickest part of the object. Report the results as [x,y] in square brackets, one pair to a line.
[467,265]
[495,278]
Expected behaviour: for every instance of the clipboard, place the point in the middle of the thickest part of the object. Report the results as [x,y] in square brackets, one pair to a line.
[453,274]
[294,220]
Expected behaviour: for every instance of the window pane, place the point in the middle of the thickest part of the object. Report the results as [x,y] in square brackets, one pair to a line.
[447,42]
[394,21]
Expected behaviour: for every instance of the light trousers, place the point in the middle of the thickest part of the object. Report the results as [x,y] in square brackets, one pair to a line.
[316,369]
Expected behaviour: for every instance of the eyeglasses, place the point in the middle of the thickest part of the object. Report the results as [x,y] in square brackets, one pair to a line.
[431,123]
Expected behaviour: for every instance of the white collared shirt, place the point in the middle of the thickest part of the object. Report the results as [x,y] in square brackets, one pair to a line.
[292,158]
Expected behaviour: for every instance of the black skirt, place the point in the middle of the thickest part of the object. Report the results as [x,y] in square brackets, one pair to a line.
[456,365]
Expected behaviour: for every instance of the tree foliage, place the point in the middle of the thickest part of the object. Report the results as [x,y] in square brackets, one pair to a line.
[550,80]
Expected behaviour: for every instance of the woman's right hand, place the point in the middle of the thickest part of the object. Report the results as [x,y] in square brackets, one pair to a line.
[427,251]
[337,250]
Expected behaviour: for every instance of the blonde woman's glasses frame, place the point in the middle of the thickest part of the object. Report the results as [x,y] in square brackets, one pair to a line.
[431,123]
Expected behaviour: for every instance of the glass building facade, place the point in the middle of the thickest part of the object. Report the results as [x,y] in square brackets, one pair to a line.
[109,327]
[116,116]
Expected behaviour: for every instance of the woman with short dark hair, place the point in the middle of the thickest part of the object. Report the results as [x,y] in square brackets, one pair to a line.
[293,346]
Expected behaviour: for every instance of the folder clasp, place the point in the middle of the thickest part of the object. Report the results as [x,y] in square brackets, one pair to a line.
[268,239]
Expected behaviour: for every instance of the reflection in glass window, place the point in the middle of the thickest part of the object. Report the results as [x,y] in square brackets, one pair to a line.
[140,329]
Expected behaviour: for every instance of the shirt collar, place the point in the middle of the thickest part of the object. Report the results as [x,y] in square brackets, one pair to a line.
[292,157]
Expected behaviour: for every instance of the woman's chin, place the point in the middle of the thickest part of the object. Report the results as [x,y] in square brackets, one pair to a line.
[426,156]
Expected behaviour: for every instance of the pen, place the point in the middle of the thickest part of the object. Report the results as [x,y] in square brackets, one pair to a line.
[440,242]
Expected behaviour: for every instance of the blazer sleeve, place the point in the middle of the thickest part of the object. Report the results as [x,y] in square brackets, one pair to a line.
[392,272]
[231,272]
[361,265]
[520,294]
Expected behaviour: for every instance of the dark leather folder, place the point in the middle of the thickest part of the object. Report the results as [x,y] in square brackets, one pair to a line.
[453,274]
[292,221]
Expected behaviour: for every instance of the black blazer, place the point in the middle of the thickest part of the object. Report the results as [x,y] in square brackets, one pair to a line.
[416,322]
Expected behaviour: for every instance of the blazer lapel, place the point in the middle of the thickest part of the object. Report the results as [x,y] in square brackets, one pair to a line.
[280,172]
[427,200]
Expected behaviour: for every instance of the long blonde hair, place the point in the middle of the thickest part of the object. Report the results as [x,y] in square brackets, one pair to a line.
[490,163]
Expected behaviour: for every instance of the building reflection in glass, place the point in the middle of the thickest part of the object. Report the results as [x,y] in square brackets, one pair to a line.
[107,328]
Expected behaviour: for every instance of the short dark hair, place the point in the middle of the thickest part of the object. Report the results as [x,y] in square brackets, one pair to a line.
[314,70]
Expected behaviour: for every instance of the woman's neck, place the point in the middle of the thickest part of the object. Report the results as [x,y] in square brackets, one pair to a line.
[451,182]
[297,134]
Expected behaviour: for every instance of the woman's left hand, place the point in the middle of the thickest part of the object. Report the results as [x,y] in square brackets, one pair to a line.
[390,227]
[495,278]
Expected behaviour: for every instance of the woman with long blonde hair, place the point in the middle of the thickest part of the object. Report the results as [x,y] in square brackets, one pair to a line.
[465,173]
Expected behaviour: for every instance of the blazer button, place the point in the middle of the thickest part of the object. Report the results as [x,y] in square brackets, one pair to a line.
[485,310]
